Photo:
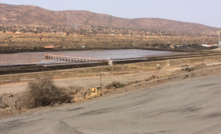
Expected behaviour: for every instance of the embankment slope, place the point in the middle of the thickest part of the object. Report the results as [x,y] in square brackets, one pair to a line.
[190,106]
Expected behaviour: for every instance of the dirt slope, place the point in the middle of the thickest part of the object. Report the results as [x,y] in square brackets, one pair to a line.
[185,107]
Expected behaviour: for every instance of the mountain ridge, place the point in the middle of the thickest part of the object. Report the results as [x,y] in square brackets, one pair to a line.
[34,15]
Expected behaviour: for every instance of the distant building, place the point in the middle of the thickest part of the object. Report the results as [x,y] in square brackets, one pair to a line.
[49,47]
[8,32]
[209,45]
[17,32]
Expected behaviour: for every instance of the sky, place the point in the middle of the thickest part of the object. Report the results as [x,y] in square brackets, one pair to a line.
[205,12]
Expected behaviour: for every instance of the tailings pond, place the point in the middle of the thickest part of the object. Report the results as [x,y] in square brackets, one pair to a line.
[39,57]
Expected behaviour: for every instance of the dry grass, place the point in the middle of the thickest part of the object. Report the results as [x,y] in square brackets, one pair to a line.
[40,40]
[115,85]
[44,92]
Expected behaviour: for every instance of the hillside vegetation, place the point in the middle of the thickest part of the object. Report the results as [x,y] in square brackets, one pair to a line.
[77,41]
[36,16]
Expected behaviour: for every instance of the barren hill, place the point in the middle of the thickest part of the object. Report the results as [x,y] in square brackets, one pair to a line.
[32,15]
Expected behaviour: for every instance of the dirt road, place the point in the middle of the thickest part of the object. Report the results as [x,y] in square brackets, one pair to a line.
[186,107]
[85,82]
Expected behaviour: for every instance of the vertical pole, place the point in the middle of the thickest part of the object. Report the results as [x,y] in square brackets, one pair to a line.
[122,68]
[149,39]
[11,77]
[143,66]
[100,81]
[74,33]
[74,38]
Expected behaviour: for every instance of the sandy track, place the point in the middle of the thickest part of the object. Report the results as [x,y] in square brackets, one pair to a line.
[85,82]
[185,107]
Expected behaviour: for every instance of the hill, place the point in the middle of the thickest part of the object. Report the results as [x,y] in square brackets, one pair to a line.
[36,16]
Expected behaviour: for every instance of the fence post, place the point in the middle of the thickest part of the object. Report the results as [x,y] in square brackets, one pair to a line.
[143,66]
[122,68]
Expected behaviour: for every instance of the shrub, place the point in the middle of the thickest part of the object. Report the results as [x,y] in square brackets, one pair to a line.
[155,44]
[188,69]
[115,84]
[43,92]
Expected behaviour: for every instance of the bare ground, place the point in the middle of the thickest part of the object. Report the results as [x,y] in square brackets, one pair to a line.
[85,82]
[185,107]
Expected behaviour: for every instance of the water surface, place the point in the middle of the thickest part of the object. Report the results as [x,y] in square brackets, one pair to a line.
[38,57]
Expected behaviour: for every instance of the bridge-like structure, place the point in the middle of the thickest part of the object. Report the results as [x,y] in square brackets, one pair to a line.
[72,58]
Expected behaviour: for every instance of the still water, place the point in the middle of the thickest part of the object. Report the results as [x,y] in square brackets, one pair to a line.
[38,57]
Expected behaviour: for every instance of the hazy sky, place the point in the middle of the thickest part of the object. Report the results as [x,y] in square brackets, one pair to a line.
[205,12]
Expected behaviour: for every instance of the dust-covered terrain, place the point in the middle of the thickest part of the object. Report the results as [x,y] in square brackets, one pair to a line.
[85,83]
[186,107]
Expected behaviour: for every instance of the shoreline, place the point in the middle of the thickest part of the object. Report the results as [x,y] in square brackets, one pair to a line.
[100,48]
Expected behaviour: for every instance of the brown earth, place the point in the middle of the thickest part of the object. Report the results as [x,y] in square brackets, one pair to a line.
[85,82]
[32,15]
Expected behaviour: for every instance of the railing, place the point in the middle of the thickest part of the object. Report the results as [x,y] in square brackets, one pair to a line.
[72,58]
